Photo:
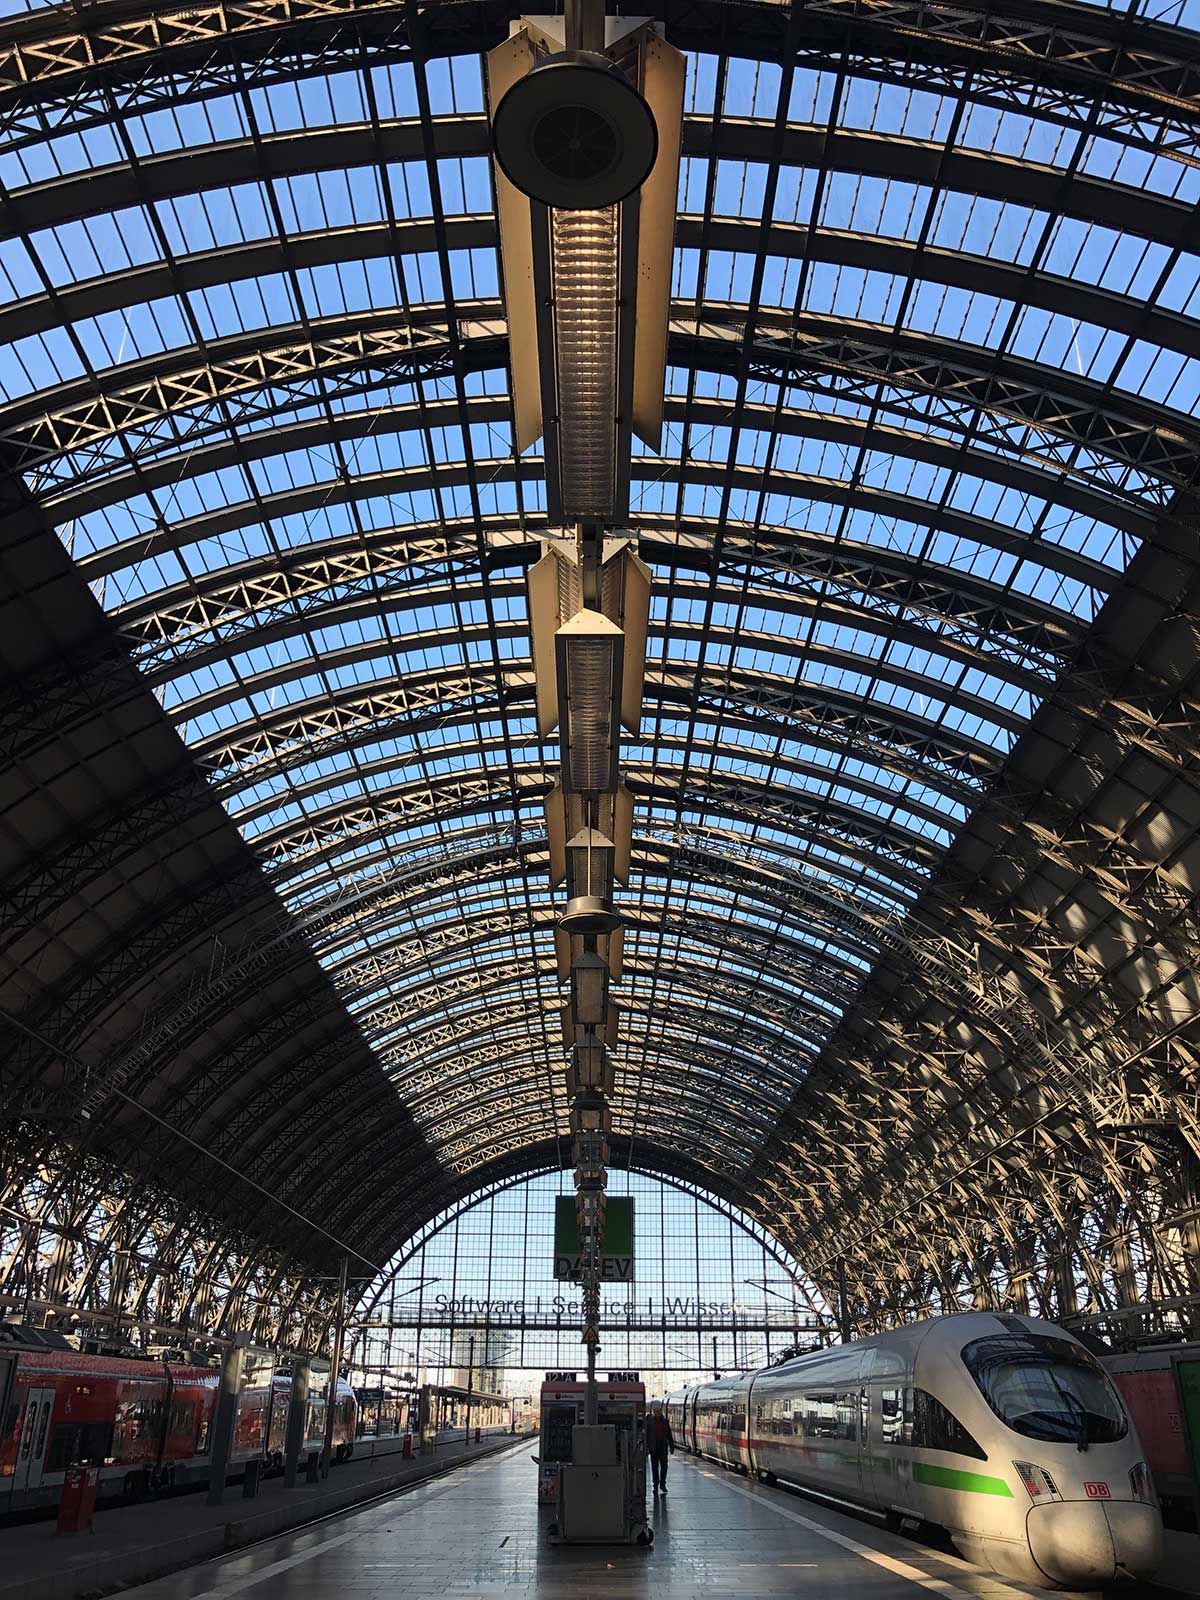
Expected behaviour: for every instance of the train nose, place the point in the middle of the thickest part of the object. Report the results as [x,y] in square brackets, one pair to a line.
[1137,1537]
[1082,1542]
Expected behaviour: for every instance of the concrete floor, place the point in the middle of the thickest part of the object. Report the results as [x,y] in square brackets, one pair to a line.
[479,1533]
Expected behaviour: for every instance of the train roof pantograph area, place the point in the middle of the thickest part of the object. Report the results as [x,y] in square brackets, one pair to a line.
[911,939]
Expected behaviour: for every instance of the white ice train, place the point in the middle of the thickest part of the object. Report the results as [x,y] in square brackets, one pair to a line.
[1002,1430]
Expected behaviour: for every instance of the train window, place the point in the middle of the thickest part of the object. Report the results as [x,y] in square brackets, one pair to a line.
[891,1411]
[30,1424]
[847,1415]
[933,1427]
[1046,1388]
[78,1441]
[831,1416]
[64,1446]
[183,1419]
[39,1448]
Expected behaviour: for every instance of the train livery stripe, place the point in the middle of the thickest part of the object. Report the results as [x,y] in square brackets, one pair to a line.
[952,1478]
[923,1472]
[900,1569]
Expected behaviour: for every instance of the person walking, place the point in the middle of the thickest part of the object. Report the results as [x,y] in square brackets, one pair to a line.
[660,1442]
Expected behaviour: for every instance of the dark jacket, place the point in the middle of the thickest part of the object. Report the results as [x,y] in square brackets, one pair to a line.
[659,1439]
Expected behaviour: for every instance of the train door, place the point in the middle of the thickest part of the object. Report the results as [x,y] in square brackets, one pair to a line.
[1187,1379]
[869,1451]
[35,1430]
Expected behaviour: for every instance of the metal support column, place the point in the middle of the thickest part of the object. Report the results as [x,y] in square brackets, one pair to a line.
[339,1333]
[591,1401]
[470,1377]
[843,1310]
[224,1418]
[584,24]
[297,1416]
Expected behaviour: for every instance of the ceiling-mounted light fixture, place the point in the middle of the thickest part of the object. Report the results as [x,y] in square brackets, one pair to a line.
[556,597]
[610,947]
[589,1155]
[573,1030]
[586,141]
[588,913]
[590,865]
[567,813]
[590,1114]
[591,1067]
[590,654]
[589,991]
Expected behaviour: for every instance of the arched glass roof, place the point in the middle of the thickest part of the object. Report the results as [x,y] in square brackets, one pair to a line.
[933,366]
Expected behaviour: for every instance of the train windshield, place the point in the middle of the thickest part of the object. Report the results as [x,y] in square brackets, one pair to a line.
[1046,1388]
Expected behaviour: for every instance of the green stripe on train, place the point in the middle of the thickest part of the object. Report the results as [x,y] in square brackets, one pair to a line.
[951,1478]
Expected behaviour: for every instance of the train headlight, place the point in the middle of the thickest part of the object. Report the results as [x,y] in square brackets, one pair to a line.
[1142,1484]
[1038,1481]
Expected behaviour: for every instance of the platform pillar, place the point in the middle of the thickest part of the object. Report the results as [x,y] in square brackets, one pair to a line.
[335,1367]
[297,1414]
[224,1418]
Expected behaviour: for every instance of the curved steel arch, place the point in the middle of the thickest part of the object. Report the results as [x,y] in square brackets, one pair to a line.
[74,420]
[900,856]
[339,581]
[292,153]
[1100,500]
[261,594]
[472,598]
[728,685]
[1142,71]
[456,940]
[965,498]
[953,269]
[771,882]
[911,745]
[435,1225]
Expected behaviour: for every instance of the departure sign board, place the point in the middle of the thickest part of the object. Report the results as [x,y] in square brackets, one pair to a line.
[557,1424]
[616,1256]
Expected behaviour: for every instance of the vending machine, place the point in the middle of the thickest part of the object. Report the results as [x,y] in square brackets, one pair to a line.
[621,1403]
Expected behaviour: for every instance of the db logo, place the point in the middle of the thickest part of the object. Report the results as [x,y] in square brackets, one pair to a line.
[1097,1491]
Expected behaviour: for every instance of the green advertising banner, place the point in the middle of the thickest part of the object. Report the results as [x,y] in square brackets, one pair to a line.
[616,1257]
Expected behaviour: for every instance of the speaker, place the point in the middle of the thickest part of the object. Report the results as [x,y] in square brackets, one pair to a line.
[574,133]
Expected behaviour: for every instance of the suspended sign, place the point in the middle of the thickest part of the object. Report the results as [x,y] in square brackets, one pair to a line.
[616,1253]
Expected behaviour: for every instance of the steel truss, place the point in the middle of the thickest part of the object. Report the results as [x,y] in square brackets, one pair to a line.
[910,964]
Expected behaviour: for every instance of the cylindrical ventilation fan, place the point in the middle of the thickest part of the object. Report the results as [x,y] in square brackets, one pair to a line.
[574,133]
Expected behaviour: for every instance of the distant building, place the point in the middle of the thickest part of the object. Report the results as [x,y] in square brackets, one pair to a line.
[488,1358]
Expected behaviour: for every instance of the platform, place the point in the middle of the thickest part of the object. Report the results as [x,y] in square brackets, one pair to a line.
[478,1532]
[132,1543]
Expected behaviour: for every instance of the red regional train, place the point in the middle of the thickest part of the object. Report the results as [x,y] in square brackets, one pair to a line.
[1160,1384]
[147,1423]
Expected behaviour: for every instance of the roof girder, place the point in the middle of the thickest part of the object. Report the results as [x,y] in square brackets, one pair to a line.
[1051,58]
[1075,417]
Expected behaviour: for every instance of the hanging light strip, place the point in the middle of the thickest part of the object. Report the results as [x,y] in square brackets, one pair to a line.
[578,145]
[585,272]
[587,168]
